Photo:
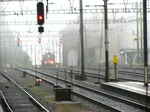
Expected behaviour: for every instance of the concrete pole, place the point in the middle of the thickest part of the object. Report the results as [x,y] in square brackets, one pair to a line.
[59,54]
[137,16]
[145,42]
[82,41]
[141,34]
[106,43]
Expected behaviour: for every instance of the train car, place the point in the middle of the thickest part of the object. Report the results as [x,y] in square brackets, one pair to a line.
[48,59]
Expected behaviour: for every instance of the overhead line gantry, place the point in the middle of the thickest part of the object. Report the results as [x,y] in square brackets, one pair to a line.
[66,22]
[75,11]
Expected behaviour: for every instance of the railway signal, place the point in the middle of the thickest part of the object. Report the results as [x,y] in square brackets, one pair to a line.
[38,80]
[39,40]
[40,13]
[60,39]
[18,41]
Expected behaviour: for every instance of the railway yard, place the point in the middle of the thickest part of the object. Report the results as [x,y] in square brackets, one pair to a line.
[74,56]
[86,96]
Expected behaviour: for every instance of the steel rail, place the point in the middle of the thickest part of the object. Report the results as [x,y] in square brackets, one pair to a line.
[95,74]
[91,90]
[30,96]
[8,108]
[111,108]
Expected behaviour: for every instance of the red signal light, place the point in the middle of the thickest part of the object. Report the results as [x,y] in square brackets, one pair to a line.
[40,17]
[60,39]
[39,40]
[18,41]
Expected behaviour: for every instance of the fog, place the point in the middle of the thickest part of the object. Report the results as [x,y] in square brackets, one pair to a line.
[18,20]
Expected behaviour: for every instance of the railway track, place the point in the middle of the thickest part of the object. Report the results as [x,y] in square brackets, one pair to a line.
[98,76]
[101,98]
[4,104]
[17,98]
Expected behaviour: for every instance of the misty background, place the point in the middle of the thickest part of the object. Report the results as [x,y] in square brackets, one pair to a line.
[18,20]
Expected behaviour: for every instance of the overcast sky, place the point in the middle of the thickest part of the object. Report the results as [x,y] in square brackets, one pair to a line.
[65,4]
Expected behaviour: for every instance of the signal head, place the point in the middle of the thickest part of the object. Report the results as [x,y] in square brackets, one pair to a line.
[40,13]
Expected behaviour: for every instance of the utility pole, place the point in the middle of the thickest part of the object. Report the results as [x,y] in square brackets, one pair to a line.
[141,28]
[145,42]
[82,42]
[106,43]
[137,16]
